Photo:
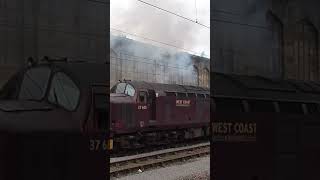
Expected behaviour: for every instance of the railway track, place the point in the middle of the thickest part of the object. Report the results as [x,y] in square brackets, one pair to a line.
[122,166]
[150,148]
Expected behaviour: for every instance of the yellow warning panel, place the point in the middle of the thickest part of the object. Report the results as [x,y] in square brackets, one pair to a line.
[110,144]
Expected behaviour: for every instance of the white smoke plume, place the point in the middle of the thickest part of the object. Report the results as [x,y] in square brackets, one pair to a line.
[135,17]
[166,64]
[139,61]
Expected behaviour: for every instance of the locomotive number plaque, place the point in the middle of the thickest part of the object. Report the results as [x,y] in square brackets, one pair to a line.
[184,103]
[142,107]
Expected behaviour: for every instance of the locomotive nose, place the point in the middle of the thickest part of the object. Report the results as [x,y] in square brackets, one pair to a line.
[15,122]
[22,115]
[5,124]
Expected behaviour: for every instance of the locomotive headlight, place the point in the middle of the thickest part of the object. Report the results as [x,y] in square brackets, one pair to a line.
[110,144]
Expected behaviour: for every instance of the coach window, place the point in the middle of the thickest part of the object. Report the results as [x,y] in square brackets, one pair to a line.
[181,95]
[291,107]
[201,96]
[312,108]
[64,92]
[170,93]
[191,95]
[129,90]
[228,105]
[261,106]
[143,97]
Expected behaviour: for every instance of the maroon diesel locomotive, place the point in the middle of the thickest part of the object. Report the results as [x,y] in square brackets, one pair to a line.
[144,113]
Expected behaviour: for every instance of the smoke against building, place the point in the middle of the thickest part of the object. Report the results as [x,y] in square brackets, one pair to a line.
[137,18]
[135,60]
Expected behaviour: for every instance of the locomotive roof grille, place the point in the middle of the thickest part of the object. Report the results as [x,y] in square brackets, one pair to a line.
[168,88]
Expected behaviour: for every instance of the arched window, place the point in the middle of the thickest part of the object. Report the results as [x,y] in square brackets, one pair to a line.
[306,51]
[115,73]
[276,63]
[196,75]
[206,79]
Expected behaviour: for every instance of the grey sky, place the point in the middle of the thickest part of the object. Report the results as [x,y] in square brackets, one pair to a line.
[135,17]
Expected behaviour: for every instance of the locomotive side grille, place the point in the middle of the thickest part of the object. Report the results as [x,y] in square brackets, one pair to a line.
[130,116]
[167,111]
[200,110]
[127,116]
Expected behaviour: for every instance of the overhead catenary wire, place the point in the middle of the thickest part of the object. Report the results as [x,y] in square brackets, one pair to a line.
[217,20]
[195,6]
[97,1]
[241,24]
[225,12]
[173,13]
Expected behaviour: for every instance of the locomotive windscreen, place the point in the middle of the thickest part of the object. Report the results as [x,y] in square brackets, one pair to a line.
[123,88]
[34,84]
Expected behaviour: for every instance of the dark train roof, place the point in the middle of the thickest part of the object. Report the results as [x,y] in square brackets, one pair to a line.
[86,73]
[159,87]
[258,87]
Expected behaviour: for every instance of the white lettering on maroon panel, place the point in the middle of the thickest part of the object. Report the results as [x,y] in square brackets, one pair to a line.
[184,103]
[142,107]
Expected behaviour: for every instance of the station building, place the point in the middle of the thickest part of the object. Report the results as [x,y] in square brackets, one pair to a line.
[134,60]
[271,38]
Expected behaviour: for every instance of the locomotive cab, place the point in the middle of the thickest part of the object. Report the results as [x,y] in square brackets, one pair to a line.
[51,112]
[56,92]
[128,103]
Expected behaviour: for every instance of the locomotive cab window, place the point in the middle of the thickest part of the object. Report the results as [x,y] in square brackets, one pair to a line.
[64,92]
[123,88]
[119,88]
[34,84]
[129,90]
[143,97]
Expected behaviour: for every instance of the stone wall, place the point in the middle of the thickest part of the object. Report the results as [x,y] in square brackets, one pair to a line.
[272,38]
[134,60]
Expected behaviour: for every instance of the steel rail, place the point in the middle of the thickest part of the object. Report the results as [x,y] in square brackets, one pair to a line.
[157,160]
